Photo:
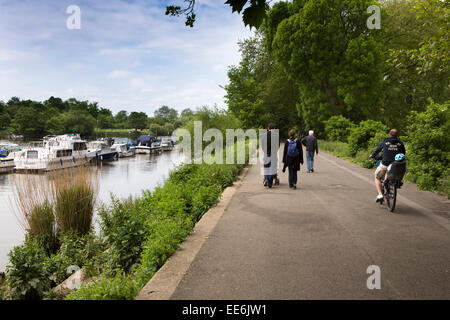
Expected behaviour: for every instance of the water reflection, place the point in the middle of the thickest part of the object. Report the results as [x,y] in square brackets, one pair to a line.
[123,178]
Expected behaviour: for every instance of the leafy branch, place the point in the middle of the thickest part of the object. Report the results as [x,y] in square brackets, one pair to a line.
[252,16]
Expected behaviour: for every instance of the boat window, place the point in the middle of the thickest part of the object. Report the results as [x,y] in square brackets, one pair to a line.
[77,146]
[32,154]
[63,153]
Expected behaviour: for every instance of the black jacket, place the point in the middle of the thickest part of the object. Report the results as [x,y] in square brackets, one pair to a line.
[310,142]
[289,161]
[266,143]
[389,147]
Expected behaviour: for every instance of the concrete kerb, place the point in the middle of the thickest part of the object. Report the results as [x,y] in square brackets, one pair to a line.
[164,283]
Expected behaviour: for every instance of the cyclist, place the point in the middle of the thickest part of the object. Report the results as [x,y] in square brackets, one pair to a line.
[389,147]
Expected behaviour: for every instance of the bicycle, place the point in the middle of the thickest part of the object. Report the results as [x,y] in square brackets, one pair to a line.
[392,183]
[390,193]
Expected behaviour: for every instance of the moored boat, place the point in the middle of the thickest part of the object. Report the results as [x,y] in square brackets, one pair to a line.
[124,149]
[102,150]
[55,152]
[145,144]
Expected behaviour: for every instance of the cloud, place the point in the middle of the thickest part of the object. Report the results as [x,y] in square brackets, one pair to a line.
[120,74]
[128,54]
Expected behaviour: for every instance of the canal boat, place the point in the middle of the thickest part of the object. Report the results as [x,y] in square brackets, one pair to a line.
[146,144]
[124,149]
[102,151]
[54,152]
[166,143]
[7,164]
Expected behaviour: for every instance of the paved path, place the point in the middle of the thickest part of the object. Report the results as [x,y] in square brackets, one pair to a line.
[316,242]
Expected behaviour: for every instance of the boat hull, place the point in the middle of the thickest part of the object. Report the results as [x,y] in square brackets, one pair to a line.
[7,166]
[50,165]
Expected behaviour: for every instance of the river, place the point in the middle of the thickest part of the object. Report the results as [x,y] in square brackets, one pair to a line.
[123,178]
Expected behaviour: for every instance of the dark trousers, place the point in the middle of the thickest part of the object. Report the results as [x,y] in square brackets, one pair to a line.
[292,176]
[269,179]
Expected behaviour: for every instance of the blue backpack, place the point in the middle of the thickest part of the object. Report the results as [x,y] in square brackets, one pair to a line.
[292,149]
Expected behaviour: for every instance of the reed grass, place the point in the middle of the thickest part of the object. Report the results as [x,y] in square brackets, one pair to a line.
[56,202]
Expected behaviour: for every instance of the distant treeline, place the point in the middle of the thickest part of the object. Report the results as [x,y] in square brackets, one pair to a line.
[35,119]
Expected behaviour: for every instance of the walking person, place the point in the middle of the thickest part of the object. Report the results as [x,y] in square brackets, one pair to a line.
[310,142]
[292,158]
[270,144]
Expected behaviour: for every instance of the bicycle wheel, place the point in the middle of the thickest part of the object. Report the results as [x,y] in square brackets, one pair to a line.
[391,195]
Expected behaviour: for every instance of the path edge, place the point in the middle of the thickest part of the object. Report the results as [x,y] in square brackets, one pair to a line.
[165,281]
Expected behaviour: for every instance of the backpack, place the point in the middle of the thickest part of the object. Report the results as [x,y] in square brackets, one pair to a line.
[292,149]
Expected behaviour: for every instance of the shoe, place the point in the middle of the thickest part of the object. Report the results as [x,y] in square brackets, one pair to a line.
[294,187]
[312,170]
[379,198]
[266,183]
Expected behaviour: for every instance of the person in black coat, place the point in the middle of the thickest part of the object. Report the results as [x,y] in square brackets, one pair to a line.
[292,158]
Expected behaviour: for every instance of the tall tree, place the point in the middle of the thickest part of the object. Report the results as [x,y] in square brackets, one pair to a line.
[165,114]
[259,91]
[121,119]
[326,47]
[137,120]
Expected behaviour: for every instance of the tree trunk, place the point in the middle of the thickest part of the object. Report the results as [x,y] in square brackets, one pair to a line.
[333,101]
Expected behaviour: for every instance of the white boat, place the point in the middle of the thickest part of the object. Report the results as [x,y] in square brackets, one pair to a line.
[124,149]
[55,152]
[166,143]
[147,144]
[102,151]
[6,159]
[7,165]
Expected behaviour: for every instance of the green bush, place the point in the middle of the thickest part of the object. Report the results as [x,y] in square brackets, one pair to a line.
[121,287]
[338,128]
[361,135]
[74,251]
[429,147]
[165,234]
[3,288]
[26,275]
[122,230]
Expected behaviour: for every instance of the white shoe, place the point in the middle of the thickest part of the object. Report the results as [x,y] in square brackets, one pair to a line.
[379,198]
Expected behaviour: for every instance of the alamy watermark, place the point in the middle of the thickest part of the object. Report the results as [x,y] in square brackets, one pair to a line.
[374,280]
[73,22]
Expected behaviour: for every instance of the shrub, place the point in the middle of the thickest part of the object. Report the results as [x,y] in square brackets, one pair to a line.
[121,287]
[165,234]
[429,147]
[361,135]
[122,227]
[26,275]
[74,251]
[338,128]
[3,288]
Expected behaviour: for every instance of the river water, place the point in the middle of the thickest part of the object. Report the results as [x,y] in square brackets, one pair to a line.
[123,178]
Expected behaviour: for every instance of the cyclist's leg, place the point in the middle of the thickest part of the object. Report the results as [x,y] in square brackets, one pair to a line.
[380,173]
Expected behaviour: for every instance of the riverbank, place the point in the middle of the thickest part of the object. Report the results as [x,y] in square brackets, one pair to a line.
[124,178]
[135,239]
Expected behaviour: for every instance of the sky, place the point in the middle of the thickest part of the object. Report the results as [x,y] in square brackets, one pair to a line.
[128,55]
